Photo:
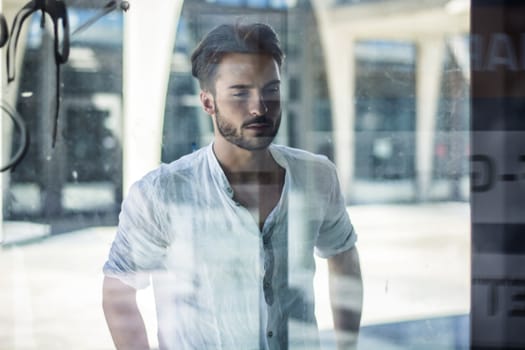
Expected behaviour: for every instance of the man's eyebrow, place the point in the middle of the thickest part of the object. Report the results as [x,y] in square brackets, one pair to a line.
[247,86]
[239,86]
[273,82]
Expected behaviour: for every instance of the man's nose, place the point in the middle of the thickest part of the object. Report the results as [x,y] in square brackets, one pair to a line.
[258,105]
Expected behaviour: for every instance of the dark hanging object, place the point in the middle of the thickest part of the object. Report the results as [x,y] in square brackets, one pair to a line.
[56,9]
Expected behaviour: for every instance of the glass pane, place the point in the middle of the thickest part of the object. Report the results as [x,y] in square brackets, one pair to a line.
[230,203]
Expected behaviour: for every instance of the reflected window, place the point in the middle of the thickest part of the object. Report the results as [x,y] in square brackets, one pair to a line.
[53,184]
[385,110]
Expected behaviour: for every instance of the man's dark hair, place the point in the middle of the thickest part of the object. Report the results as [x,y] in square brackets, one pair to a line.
[255,38]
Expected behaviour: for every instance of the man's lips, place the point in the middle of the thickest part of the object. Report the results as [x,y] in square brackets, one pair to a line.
[258,123]
[258,126]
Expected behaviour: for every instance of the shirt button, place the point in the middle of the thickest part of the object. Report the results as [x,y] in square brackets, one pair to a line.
[266,285]
[270,334]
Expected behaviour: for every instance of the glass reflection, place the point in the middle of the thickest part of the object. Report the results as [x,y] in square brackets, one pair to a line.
[385,103]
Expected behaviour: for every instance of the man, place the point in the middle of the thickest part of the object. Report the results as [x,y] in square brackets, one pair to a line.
[227,233]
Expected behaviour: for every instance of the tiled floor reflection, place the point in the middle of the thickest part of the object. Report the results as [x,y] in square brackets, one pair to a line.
[415,262]
[441,333]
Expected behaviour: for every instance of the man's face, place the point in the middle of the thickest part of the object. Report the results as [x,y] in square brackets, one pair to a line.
[246,104]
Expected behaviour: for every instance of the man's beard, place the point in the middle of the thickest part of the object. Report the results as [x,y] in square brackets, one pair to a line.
[251,143]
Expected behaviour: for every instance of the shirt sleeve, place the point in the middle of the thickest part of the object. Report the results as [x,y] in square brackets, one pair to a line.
[139,245]
[336,233]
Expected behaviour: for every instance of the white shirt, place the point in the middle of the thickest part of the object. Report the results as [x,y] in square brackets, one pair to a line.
[220,282]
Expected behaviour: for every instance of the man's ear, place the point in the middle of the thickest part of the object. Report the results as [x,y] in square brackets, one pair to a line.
[207,102]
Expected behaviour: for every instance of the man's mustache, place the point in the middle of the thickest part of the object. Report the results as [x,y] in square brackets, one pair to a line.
[258,120]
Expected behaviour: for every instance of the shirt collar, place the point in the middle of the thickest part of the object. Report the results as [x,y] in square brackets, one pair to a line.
[218,173]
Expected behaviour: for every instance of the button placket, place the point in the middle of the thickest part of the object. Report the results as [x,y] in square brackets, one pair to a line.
[269,264]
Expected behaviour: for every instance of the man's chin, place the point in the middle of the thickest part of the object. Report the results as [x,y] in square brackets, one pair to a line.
[258,144]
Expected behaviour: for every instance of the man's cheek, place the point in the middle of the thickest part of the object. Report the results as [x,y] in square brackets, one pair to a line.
[274,105]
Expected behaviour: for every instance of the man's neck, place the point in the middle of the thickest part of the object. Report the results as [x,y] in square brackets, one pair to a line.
[245,166]
[256,178]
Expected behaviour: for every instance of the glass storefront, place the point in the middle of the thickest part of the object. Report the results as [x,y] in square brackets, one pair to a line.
[381,89]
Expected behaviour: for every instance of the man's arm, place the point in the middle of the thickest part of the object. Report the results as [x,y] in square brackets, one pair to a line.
[123,316]
[346,296]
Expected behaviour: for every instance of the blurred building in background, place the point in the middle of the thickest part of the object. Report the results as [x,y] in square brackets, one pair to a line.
[379,87]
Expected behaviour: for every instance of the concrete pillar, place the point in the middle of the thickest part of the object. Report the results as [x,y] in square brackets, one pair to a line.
[340,68]
[339,56]
[428,82]
[149,38]
[342,94]
[2,147]
[52,173]
[9,94]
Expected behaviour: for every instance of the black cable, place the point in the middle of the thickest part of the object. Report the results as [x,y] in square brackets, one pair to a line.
[24,137]
[110,6]
[57,105]
[4,31]
[57,10]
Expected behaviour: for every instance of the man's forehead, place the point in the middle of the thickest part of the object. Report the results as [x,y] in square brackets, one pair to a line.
[248,69]
[244,63]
